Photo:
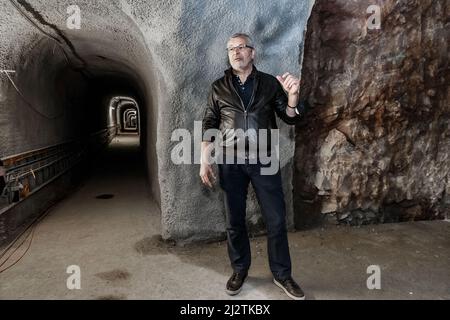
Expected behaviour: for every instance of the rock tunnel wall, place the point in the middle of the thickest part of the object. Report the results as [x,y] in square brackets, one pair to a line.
[376,145]
[30,119]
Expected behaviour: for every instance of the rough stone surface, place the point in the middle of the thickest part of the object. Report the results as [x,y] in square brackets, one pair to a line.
[163,53]
[375,147]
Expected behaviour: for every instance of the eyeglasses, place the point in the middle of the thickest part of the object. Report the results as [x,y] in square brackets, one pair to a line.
[240,47]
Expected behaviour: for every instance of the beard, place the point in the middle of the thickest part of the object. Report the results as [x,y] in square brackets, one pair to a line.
[241,64]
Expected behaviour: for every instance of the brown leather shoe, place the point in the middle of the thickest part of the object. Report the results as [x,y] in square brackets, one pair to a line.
[291,288]
[234,284]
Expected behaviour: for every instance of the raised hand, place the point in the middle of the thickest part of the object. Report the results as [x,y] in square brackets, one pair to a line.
[290,83]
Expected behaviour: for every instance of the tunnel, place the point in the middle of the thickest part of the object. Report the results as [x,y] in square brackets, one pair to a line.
[69,97]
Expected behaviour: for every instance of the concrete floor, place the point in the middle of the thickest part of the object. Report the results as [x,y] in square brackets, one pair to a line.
[115,243]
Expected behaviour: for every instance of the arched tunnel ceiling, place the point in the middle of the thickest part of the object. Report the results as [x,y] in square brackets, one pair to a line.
[106,36]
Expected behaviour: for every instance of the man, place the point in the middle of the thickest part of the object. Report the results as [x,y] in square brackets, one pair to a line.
[246,99]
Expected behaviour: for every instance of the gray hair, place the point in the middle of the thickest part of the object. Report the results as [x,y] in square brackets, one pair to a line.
[245,36]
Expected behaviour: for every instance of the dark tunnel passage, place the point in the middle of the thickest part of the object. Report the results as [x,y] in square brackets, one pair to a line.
[107,127]
[77,108]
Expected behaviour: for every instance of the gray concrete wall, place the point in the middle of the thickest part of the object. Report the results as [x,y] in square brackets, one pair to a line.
[191,51]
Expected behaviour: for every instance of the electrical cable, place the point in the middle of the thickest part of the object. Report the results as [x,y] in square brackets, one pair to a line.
[14,251]
[33,227]
[28,104]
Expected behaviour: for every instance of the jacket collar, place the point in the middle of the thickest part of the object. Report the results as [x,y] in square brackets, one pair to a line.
[229,72]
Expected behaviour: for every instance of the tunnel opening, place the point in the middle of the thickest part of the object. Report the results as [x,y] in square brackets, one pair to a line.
[124,113]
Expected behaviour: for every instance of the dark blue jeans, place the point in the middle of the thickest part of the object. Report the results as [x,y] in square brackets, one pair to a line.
[234,180]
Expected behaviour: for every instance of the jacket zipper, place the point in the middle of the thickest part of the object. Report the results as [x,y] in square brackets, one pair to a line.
[245,115]
[242,105]
[245,110]
[255,87]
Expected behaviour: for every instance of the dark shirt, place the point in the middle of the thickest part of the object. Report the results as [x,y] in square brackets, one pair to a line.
[245,90]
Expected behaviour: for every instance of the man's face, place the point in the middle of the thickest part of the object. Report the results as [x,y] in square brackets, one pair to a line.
[240,58]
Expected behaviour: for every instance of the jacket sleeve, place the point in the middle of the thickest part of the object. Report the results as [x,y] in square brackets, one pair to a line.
[280,105]
[211,118]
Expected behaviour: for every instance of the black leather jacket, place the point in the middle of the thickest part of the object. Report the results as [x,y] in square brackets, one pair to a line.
[225,109]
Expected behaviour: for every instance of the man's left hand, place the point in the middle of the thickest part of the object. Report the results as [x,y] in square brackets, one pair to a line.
[290,83]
